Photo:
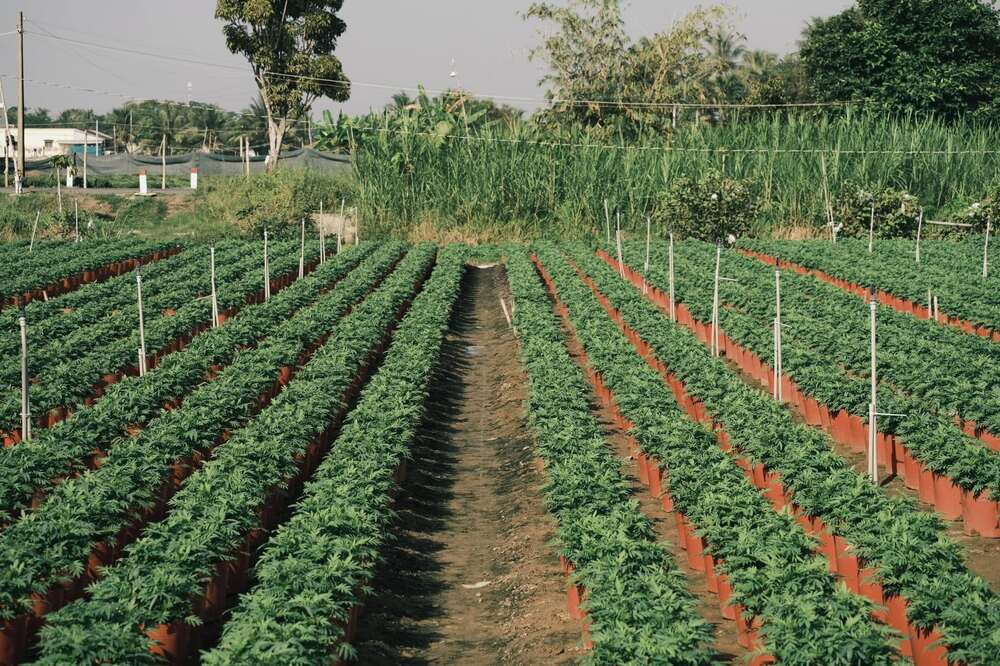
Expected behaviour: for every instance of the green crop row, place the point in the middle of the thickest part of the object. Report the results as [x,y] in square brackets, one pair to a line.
[314,569]
[169,292]
[811,354]
[33,270]
[906,546]
[69,383]
[29,469]
[636,599]
[230,497]
[807,616]
[50,545]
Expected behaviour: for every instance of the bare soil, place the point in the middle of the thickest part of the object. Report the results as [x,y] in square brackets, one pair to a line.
[471,577]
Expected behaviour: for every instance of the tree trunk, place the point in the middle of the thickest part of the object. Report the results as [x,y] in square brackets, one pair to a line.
[275,135]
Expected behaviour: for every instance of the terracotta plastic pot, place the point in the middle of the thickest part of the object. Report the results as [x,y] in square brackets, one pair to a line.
[696,551]
[725,594]
[653,471]
[948,497]
[981,515]
[871,589]
[643,468]
[172,640]
[896,618]
[681,529]
[812,412]
[710,577]
[927,486]
[847,564]
[911,471]
[925,652]
[574,596]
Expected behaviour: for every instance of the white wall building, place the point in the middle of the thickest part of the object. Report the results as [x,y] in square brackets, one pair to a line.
[48,141]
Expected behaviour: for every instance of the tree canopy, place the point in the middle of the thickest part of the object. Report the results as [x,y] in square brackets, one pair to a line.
[941,56]
[289,45]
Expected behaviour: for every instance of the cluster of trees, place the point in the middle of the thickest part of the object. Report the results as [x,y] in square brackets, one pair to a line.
[139,127]
[928,56]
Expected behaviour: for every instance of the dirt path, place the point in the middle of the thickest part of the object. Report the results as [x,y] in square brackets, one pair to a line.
[471,578]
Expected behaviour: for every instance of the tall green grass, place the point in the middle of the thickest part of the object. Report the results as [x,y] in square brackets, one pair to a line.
[508,182]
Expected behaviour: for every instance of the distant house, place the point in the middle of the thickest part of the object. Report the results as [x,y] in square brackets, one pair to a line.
[49,141]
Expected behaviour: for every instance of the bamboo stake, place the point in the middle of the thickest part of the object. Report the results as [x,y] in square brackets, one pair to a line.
[267,271]
[25,389]
[873,405]
[506,314]
[778,370]
[645,268]
[215,297]
[76,218]
[302,250]
[163,163]
[871,231]
[920,229]
[607,221]
[986,251]
[142,327]
[34,229]
[826,198]
[340,235]
[715,301]
[621,264]
[673,305]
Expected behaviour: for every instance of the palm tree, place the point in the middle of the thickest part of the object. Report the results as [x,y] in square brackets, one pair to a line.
[758,64]
[724,51]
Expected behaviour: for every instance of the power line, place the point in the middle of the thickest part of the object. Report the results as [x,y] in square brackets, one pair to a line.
[507,98]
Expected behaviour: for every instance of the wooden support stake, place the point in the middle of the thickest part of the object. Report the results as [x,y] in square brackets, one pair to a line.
[873,405]
[25,395]
[715,301]
[986,251]
[85,158]
[621,262]
[302,250]
[673,305]
[778,370]
[506,314]
[76,218]
[607,221]
[871,231]
[920,230]
[215,297]
[645,269]
[340,236]
[163,163]
[267,271]
[34,229]
[142,326]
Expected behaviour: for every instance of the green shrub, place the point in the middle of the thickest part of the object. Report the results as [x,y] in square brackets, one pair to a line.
[897,213]
[709,208]
[276,202]
[983,211]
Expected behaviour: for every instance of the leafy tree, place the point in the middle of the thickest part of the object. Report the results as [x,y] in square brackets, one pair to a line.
[284,40]
[940,56]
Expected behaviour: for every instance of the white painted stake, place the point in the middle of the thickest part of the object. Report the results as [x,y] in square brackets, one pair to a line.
[143,182]
[302,250]
[778,370]
[506,314]
[194,178]
[76,218]
[986,251]
[607,221]
[920,229]
[621,263]
[34,229]
[25,395]
[645,269]
[673,304]
[873,405]
[215,297]
[715,301]
[267,271]
[142,327]
[871,231]
[340,235]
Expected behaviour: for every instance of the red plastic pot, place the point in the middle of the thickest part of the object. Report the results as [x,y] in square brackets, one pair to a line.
[725,594]
[696,551]
[710,577]
[896,618]
[681,529]
[812,412]
[172,640]
[911,470]
[653,471]
[927,486]
[948,497]
[871,588]
[981,515]
[925,652]
[847,564]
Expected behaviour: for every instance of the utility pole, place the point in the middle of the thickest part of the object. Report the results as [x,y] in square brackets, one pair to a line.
[19,171]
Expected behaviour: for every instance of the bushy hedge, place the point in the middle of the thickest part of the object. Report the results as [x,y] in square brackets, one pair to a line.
[897,213]
[708,208]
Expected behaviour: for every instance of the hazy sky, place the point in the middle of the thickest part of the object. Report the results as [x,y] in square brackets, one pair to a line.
[393,43]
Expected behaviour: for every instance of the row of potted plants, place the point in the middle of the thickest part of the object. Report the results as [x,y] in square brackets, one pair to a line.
[345,516]
[63,386]
[948,270]
[86,521]
[30,469]
[65,266]
[182,567]
[72,339]
[906,548]
[63,314]
[930,439]
[635,605]
[947,369]
[762,562]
